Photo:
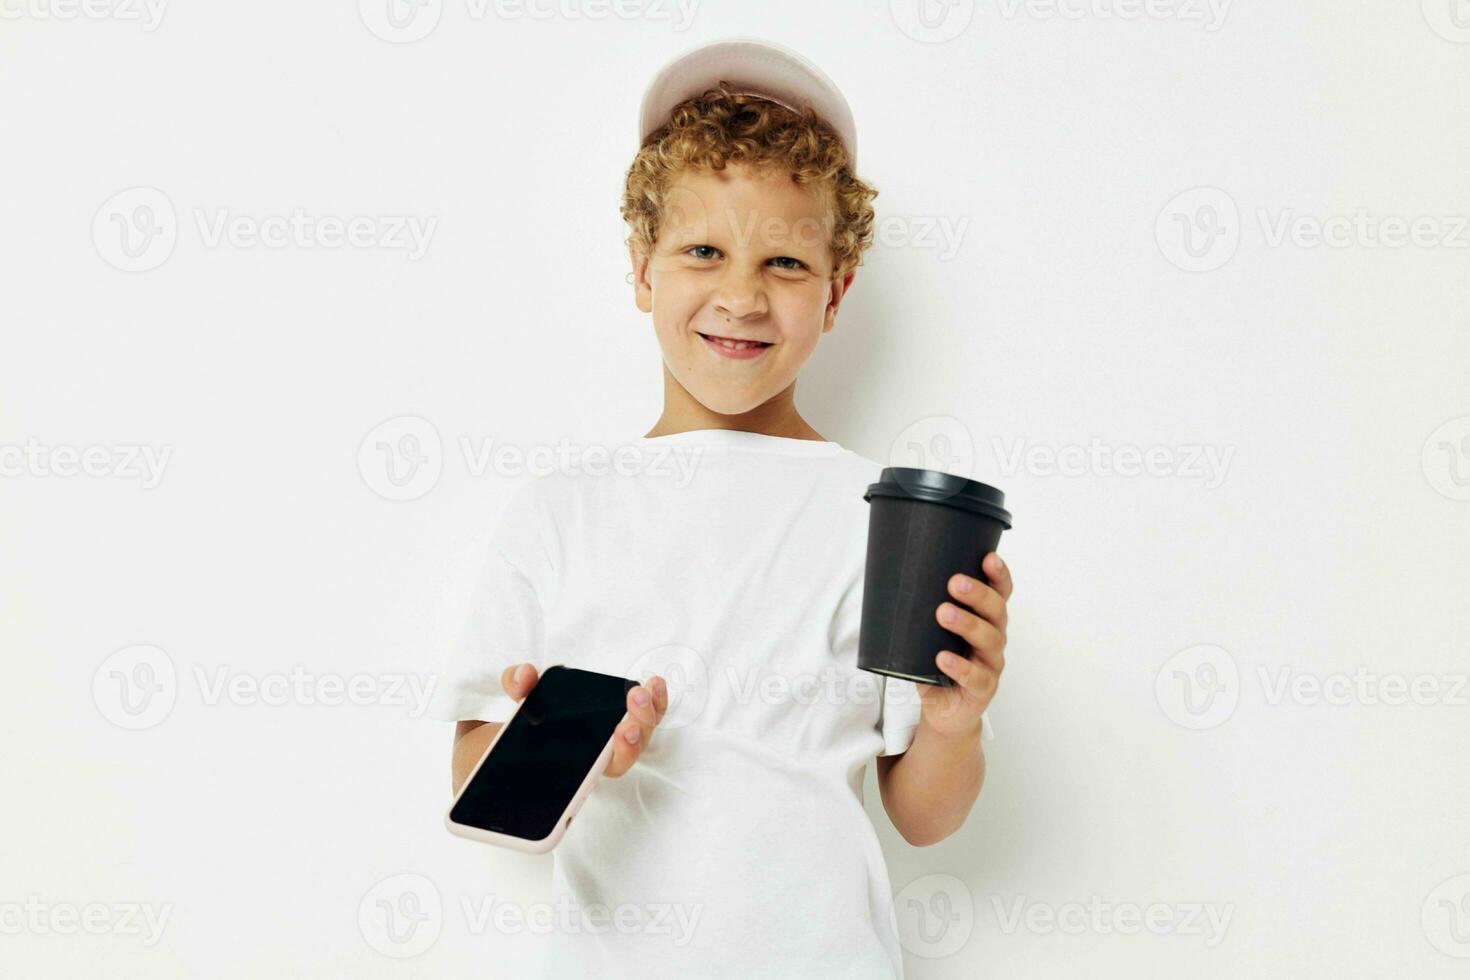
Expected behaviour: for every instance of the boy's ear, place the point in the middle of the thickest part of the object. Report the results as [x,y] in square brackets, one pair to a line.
[838,290]
[642,288]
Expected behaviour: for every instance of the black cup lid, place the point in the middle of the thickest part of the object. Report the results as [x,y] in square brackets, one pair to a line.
[941,488]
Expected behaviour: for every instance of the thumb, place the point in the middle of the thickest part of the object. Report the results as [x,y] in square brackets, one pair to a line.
[518,679]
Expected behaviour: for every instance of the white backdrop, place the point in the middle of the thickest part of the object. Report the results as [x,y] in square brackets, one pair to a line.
[1188,281]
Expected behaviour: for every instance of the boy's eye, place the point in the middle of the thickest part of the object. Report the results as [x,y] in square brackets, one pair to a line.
[698,252]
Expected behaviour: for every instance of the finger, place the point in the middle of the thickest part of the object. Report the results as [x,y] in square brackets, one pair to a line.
[970,674]
[999,574]
[627,746]
[982,598]
[518,679]
[988,642]
[660,695]
[641,708]
[641,720]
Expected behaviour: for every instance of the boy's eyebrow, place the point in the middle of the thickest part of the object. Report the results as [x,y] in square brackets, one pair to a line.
[676,240]
[796,240]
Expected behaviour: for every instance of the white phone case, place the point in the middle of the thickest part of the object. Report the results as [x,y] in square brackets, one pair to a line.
[520,843]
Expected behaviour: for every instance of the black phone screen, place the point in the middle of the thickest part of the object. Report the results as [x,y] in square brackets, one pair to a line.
[535,768]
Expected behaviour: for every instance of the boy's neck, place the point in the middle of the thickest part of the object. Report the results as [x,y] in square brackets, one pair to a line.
[777,417]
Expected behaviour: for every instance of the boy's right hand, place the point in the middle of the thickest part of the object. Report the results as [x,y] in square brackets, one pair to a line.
[646,703]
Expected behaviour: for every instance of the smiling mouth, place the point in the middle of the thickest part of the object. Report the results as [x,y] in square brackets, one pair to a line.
[731,343]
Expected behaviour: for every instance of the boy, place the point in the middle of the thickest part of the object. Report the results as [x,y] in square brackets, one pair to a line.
[738,845]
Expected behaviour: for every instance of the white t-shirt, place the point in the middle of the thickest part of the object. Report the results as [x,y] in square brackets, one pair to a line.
[731,563]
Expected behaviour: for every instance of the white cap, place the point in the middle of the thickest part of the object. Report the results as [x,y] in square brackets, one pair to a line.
[751,67]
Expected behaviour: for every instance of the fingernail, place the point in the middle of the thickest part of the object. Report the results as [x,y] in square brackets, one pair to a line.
[659,686]
[947,614]
[999,565]
[962,584]
[520,674]
[632,735]
[640,697]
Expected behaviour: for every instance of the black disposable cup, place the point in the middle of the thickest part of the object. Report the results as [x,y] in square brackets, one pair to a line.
[923,527]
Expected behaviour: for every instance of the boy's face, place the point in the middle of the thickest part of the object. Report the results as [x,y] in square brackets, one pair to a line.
[746,256]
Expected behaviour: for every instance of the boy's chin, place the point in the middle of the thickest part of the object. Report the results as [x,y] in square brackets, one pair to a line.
[729,402]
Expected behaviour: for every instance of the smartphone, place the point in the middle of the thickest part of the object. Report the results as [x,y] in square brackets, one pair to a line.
[543,762]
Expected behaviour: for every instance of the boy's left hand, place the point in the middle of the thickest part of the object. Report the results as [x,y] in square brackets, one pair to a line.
[980,617]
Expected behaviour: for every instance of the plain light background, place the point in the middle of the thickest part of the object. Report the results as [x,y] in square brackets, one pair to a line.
[1333,544]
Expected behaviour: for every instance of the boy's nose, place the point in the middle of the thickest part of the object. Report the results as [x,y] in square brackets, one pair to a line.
[740,294]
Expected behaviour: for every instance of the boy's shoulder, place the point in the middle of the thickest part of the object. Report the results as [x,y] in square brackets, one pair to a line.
[860,464]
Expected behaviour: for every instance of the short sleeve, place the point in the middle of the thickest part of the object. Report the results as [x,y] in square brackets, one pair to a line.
[901,705]
[900,714]
[506,620]
[900,701]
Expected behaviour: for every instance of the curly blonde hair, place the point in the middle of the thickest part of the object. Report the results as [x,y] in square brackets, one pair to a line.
[720,127]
